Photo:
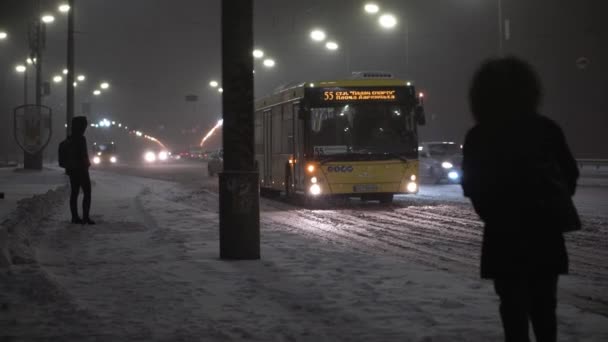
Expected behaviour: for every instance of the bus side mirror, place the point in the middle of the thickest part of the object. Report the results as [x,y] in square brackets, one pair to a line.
[419,116]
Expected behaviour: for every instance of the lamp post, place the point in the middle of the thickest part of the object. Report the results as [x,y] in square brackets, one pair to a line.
[22,69]
[69,9]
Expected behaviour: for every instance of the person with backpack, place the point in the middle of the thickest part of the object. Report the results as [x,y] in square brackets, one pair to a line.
[520,175]
[74,157]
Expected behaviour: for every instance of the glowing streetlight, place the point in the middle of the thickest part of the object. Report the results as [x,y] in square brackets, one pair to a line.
[96,92]
[331,46]
[81,78]
[65,71]
[257,53]
[64,8]
[318,35]
[214,84]
[57,79]
[3,35]
[371,8]
[29,61]
[47,18]
[75,84]
[221,90]
[105,85]
[20,68]
[387,21]
[269,63]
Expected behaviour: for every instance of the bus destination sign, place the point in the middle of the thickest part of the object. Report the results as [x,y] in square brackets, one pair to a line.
[355,95]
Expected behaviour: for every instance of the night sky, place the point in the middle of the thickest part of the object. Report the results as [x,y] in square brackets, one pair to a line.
[155,52]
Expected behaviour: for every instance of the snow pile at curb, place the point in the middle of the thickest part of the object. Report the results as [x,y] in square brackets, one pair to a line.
[22,223]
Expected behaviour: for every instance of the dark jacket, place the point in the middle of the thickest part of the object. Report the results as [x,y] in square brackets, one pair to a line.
[504,175]
[79,154]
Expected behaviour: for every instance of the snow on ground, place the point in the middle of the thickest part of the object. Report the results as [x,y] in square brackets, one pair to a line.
[150,271]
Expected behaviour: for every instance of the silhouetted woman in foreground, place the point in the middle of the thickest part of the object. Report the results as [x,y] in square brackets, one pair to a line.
[520,175]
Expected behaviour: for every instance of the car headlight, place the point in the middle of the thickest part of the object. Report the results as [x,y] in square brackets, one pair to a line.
[453,175]
[150,157]
[163,155]
[315,189]
[96,160]
[112,159]
[314,180]
[447,165]
[412,187]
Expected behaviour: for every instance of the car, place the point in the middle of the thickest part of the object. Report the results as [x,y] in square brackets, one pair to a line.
[161,156]
[215,164]
[440,161]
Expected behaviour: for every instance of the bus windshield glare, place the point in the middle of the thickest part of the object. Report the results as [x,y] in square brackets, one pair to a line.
[364,129]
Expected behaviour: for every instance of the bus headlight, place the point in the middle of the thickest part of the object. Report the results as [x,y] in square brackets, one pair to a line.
[96,160]
[412,187]
[413,178]
[446,165]
[315,190]
[112,159]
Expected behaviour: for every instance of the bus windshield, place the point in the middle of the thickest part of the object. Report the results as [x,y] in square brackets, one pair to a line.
[364,129]
[105,148]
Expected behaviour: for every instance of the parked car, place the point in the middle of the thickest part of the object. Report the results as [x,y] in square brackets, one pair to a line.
[215,164]
[440,161]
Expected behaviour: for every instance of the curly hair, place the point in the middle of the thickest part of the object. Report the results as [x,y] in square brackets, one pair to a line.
[504,89]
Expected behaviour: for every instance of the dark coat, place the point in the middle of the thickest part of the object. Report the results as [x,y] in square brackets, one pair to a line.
[79,153]
[503,177]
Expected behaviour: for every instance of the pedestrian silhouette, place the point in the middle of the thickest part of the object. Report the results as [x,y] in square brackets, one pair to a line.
[520,176]
[78,169]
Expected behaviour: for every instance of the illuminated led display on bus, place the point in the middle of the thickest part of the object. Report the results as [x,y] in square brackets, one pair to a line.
[360,95]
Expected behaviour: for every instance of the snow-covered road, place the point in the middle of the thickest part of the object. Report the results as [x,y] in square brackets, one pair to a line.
[361,272]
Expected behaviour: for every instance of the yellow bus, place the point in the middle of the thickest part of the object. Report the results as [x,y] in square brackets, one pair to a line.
[349,138]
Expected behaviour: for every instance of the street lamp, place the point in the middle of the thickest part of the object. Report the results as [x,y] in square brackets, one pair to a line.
[214,84]
[57,79]
[81,78]
[64,8]
[65,71]
[97,92]
[3,35]
[371,8]
[221,90]
[47,18]
[29,61]
[331,46]
[105,85]
[21,68]
[257,53]
[269,63]
[387,21]
[318,35]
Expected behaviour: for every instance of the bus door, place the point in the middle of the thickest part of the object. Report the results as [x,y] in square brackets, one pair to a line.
[267,163]
[298,148]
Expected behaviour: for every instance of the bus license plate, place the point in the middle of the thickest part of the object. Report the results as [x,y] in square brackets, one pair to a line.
[365,188]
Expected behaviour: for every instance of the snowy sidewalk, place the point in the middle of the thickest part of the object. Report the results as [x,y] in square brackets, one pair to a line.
[149,271]
[18,184]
